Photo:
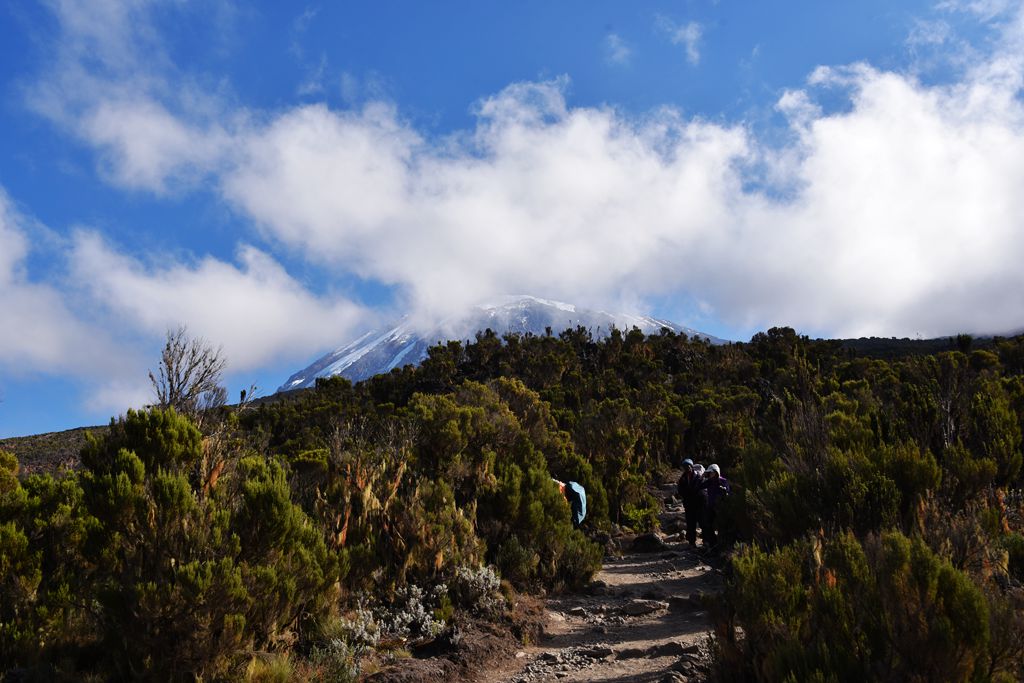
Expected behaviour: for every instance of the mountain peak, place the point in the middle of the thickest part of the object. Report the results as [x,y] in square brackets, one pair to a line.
[524,300]
[380,350]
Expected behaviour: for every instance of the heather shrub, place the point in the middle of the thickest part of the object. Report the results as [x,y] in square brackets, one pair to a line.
[863,490]
[536,419]
[474,443]
[527,527]
[43,526]
[187,577]
[1014,544]
[437,534]
[840,609]
[19,569]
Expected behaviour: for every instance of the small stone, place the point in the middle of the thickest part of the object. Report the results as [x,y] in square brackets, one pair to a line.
[649,543]
[673,677]
[684,666]
[550,657]
[597,652]
[520,654]
[638,608]
[670,648]
[577,611]
[678,604]
[631,653]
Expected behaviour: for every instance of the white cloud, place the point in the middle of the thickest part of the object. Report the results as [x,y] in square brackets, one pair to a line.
[688,35]
[110,82]
[616,50]
[118,395]
[98,323]
[255,309]
[144,146]
[13,245]
[798,107]
[987,10]
[314,81]
[898,213]
[929,32]
[300,25]
[40,330]
[901,214]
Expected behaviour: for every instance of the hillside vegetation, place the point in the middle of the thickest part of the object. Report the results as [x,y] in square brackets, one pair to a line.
[873,533]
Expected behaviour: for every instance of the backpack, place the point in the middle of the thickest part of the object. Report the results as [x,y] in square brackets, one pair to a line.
[577,497]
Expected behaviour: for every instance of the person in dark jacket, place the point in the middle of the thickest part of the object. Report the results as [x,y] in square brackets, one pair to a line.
[717,487]
[691,492]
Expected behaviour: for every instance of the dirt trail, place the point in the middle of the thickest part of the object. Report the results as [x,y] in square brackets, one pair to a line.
[642,619]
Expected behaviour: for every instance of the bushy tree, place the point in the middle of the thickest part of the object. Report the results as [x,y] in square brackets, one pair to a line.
[184,578]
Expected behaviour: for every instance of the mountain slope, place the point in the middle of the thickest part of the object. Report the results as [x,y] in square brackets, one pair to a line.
[379,351]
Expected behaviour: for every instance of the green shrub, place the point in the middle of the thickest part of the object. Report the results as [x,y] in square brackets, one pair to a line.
[1014,544]
[43,526]
[19,580]
[516,563]
[888,609]
[185,578]
[642,517]
[475,444]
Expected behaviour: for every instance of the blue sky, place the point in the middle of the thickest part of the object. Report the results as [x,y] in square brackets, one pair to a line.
[280,176]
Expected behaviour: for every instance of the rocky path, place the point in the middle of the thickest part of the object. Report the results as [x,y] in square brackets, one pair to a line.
[644,617]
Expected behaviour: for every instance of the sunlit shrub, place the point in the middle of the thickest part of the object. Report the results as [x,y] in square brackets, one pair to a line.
[839,609]
[185,578]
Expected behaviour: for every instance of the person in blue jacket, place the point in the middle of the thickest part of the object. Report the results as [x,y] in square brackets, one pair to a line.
[576,496]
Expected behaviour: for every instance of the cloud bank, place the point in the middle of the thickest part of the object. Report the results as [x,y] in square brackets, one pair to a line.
[898,212]
[254,309]
[899,216]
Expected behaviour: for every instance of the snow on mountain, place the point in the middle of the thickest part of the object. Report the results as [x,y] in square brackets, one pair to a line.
[380,351]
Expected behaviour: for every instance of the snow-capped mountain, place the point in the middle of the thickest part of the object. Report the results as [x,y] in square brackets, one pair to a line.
[379,351]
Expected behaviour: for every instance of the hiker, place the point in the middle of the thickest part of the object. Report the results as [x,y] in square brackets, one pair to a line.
[717,488]
[691,492]
[576,496]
